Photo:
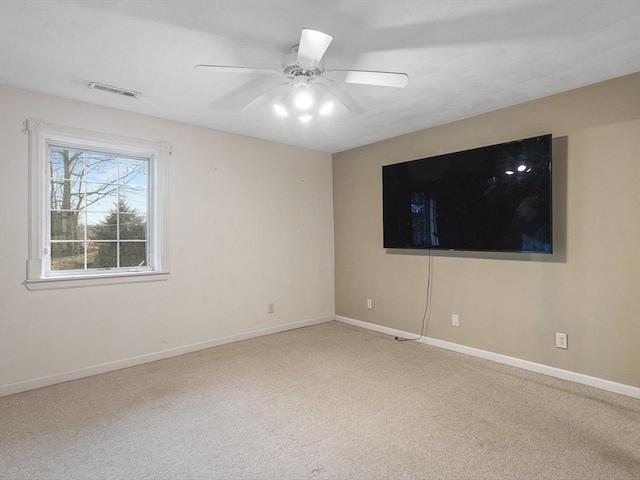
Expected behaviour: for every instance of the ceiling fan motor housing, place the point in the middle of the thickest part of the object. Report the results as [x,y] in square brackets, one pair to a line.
[291,68]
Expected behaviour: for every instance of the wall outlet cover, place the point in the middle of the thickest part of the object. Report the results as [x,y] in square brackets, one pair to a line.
[561,340]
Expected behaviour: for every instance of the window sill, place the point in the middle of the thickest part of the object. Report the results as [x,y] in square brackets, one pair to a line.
[51,283]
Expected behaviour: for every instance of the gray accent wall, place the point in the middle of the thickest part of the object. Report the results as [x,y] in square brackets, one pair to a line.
[513,304]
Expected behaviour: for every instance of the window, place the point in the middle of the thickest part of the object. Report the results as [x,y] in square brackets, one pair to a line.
[97,208]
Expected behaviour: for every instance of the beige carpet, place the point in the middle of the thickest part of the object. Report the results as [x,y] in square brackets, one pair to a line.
[329,401]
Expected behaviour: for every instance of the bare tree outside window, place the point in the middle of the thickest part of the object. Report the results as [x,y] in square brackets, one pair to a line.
[98,209]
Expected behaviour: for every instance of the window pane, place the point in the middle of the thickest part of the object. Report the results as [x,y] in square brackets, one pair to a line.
[102,226]
[67,195]
[102,197]
[133,199]
[134,171]
[67,226]
[66,163]
[133,227]
[133,254]
[67,256]
[101,167]
[102,255]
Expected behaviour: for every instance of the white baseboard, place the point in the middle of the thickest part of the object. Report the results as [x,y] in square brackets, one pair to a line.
[504,359]
[378,328]
[150,357]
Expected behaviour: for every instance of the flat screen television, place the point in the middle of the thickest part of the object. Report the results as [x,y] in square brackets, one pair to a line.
[495,198]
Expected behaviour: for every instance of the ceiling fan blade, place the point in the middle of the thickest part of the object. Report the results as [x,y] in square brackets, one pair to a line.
[312,46]
[260,101]
[230,69]
[344,96]
[329,100]
[364,77]
[239,95]
[266,98]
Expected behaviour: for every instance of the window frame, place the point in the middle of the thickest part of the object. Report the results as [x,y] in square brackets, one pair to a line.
[39,274]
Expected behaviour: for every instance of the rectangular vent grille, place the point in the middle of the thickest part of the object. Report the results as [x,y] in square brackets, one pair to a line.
[110,89]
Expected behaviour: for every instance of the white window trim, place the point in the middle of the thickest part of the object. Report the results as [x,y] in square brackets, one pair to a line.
[40,134]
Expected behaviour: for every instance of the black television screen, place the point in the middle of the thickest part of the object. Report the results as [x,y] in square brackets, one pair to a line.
[495,198]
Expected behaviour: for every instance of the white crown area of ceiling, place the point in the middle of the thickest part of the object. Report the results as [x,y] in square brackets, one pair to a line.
[463,58]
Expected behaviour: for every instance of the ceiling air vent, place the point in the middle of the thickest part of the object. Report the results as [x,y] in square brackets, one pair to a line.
[110,89]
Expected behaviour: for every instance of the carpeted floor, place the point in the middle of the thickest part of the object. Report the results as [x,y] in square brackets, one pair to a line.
[329,401]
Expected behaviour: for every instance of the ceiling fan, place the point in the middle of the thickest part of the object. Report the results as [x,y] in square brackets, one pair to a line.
[304,93]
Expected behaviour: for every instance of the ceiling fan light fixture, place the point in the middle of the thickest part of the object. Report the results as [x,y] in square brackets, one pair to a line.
[304,99]
[281,110]
[326,108]
[305,118]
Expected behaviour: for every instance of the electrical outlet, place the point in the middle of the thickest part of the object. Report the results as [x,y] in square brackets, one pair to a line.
[561,340]
[455,320]
[271,307]
[369,304]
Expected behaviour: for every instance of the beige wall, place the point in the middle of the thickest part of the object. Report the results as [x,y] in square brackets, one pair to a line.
[513,303]
[251,222]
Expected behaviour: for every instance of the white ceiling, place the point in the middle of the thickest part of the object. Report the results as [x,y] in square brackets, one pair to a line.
[462,57]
